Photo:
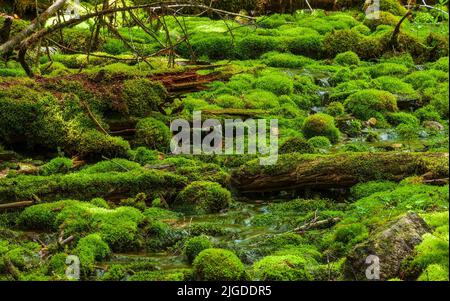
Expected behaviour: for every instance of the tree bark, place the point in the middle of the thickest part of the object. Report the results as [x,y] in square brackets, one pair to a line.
[296,171]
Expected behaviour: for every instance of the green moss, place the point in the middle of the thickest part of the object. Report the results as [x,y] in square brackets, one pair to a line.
[230,101]
[153,133]
[143,155]
[161,235]
[296,145]
[348,58]
[93,144]
[115,273]
[260,99]
[404,91]
[57,265]
[31,117]
[285,60]
[277,84]
[141,96]
[363,190]
[193,246]
[434,272]
[320,125]
[335,109]
[213,47]
[55,166]
[341,41]
[421,80]
[218,265]
[310,45]
[441,64]
[110,166]
[252,47]
[205,196]
[366,104]
[385,18]
[138,202]
[89,250]
[281,268]
[402,117]
[99,202]
[160,214]
[346,88]
[439,99]
[320,142]
[427,113]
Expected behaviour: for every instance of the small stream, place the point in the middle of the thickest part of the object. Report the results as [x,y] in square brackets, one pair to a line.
[236,222]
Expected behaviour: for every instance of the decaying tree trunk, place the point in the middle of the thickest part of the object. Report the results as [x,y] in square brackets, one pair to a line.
[296,171]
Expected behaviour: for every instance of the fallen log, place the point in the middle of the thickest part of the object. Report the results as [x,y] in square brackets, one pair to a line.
[297,171]
[326,223]
[16,205]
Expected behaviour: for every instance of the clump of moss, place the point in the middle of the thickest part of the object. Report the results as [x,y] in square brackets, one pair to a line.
[205,196]
[277,84]
[402,117]
[193,246]
[335,109]
[91,249]
[230,101]
[55,166]
[93,144]
[286,60]
[213,47]
[143,155]
[281,268]
[296,145]
[362,190]
[370,103]
[348,58]
[30,117]
[252,47]
[153,133]
[320,125]
[320,142]
[385,18]
[388,69]
[218,265]
[137,202]
[260,99]
[341,41]
[404,91]
[142,96]
[310,45]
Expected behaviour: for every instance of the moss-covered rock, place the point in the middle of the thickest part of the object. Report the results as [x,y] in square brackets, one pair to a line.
[218,265]
[193,246]
[281,268]
[348,58]
[204,196]
[153,133]
[370,103]
[392,245]
[320,125]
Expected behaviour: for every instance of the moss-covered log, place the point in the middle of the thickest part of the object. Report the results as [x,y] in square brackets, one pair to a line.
[296,171]
[85,186]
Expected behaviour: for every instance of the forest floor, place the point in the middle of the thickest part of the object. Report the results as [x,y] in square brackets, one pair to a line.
[86,167]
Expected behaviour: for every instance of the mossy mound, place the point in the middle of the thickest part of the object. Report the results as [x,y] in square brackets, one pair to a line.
[205,196]
[320,125]
[218,265]
[366,104]
[281,268]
